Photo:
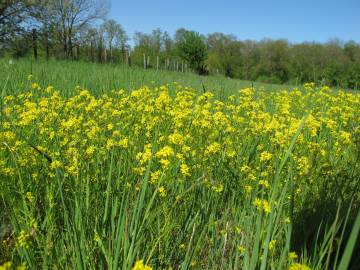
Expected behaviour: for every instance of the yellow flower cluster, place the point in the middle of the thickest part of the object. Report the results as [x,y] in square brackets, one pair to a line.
[10,266]
[298,266]
[262,205]
[139,265]
[182,137]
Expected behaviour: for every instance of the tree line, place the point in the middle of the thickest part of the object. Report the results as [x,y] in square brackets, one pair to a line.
[79,30]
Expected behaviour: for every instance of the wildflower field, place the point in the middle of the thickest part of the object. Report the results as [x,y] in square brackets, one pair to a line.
[171,177]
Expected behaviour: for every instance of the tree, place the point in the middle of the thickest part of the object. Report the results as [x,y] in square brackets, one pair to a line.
[90,40]
[224,54]
[168,43]
[70,16]
[13,13]
[192,48]
[179,34]
[274,61]
[115,36]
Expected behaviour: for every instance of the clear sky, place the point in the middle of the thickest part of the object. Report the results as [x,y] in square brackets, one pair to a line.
[294,20]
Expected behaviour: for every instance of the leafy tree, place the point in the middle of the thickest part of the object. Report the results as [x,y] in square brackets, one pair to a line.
[224,54]
[13,14]
[192,48]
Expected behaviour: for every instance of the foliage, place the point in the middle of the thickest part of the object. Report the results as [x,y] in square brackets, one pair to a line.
[192,48]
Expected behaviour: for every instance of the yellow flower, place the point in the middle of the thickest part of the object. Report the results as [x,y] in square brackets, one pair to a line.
[309,85]
[241,249]
[97,237]
[245,168]
[124,143]
[287,220]
[165,152]
[55,164]
[23,239]
[146,155]
[218,188]
[298,266]
[109,144]
[248,188]
[265,156]
[264,183]
[266,206]
[21,267]
[176,138]
[293,256]
[9,266]
[139,265]
[6,266]
[110,126]
[262,205]
[345,137]
[184,170]
[30,197]
[212,149]
[162,192]
[303,165]
[272,244]
[165,163]
[35,86]
[90,150]
[155,176]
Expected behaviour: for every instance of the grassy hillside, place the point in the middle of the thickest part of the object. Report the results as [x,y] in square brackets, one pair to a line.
[100,78]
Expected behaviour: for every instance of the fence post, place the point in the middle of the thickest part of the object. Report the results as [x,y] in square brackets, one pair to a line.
[129,58]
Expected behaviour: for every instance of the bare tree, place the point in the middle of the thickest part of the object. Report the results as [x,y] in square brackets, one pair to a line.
[70,16]
[115,36]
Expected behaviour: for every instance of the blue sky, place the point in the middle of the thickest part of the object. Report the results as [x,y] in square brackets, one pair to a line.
[294,20]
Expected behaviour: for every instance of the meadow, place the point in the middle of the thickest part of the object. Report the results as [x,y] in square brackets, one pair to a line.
[110,167]
[101,78]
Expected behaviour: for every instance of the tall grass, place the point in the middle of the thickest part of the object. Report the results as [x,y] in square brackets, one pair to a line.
[100,78]
[111,212]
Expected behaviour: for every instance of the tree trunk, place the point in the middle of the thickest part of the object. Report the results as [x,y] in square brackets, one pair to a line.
[70,47]
[47,46]
[124,55]
[77,52]
[111,53]
[65,45]
[100,51]
[34,37]
[92,52]
[129,58]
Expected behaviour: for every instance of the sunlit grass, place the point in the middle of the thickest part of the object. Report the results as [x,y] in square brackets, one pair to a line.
[165,176]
